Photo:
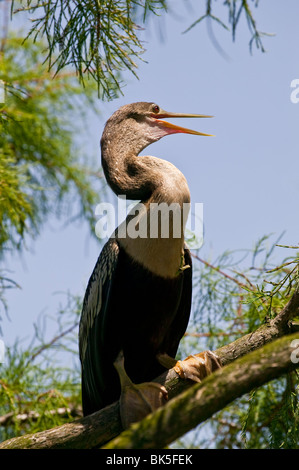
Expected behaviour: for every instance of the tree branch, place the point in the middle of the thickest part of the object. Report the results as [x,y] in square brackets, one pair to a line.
[8,418]
[201,401]
[215,391]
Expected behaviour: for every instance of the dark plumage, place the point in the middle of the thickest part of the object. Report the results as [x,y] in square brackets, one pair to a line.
[138,298]
[128,320]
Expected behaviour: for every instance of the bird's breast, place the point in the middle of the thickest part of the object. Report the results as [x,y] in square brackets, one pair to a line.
[153,235]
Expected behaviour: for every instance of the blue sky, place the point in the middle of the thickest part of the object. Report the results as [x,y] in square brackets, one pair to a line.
[246,176]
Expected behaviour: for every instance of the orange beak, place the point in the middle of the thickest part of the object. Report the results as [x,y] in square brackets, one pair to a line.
[178,129]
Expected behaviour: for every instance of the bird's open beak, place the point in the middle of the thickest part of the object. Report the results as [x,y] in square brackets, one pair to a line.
[173,129]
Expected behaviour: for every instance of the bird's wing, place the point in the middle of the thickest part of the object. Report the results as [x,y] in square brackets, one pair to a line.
[97,292]
[92,326]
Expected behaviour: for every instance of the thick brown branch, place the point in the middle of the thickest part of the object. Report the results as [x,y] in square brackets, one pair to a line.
[84,433]
[201,401]
[275,328]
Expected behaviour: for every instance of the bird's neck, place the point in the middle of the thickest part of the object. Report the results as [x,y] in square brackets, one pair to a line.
[143,178]
[164,195]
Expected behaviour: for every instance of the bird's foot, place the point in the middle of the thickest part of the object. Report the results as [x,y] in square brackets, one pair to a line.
[137,400]
[195,367]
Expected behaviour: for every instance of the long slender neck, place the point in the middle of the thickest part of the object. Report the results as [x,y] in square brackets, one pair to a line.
[150,180]
[128,176]
[143,178]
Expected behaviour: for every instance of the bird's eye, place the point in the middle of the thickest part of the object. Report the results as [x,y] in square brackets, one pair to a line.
[156,108]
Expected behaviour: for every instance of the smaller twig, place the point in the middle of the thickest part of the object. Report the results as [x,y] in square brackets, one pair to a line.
[244,286]
[50,343]
[295,247]
[64,411]
[207,335]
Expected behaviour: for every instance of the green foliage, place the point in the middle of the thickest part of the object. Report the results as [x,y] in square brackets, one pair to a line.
[41,167]
[101,39]
[40,383]
[233,297]
[235,10]
[43,172]
[266,418]
[272,418]
[16,207]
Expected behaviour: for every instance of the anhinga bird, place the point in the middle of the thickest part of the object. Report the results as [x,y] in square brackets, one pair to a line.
[138,298]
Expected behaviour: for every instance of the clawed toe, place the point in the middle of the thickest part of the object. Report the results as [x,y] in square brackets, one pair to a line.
[195,367]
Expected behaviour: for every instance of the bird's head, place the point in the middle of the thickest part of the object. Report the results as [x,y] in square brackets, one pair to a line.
[142,123]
